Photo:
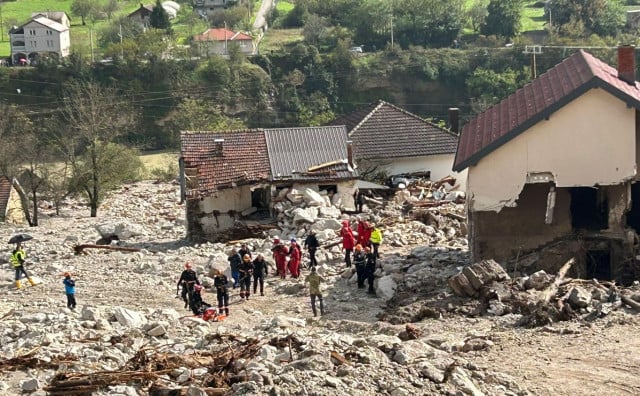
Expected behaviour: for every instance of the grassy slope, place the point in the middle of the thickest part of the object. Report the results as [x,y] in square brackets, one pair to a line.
[19,11]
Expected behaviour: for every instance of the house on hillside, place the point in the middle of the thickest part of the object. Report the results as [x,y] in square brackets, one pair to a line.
[553,171]
[397,141]
[59,16]
[142,14]
[216,41]
[207,8]
[226,176]
[11,209]
[38,38]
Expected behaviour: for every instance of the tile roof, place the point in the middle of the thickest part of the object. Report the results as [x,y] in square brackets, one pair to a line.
[5,191]
[382,130]
[221,34]
[292,151]
[242,160]
[536,101]
[254,156]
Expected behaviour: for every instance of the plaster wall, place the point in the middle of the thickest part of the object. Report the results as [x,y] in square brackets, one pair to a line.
[439,165]
[211,215]
[590,141]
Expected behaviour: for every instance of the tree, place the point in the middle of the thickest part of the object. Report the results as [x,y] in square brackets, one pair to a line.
[605,18]
[159,17]
[95,117]
[110,8]
[83,9]
[202,115]
[503,18]
[315,29]
[476,14]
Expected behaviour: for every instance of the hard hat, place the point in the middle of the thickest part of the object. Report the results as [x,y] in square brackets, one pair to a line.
[66,274]
[293,240]
[358,247]
[187,265]
[197,287]
[276,240]
[246,257]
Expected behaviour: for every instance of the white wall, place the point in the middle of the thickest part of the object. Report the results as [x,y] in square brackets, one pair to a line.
[589,141]
[41,39]
[439,165]
[237,199]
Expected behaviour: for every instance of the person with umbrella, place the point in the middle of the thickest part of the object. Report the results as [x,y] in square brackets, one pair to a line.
[18,258]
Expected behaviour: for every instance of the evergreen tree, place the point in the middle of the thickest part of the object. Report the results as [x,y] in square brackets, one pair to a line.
[159,18]
[503,18]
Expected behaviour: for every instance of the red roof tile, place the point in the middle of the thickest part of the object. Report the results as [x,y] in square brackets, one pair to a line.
[383,130]
[537,100]
[220,34]
[242,160]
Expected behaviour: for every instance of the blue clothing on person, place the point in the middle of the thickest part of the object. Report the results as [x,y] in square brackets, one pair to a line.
[69,286]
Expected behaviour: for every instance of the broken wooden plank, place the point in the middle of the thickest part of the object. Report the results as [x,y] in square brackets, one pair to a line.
[79,249]
[552,289]
[339,358]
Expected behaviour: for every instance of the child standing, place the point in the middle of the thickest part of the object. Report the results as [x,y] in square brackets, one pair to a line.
[70,290]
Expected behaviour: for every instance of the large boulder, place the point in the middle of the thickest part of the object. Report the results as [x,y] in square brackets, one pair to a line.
[120,230]
[326,224]
[306,215]
[386,287]
[330,212]
[313,198]
[129,318]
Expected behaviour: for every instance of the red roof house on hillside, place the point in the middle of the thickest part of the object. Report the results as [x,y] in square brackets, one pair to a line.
[552,170]
[216,41]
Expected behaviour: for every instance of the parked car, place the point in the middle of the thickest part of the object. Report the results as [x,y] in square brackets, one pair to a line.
[356,50]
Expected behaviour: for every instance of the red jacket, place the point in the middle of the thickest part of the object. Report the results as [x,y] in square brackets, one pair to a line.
[295,253]
[364,233]
[348,241]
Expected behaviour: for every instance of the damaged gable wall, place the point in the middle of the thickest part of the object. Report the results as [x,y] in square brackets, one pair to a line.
[587,147]
[590,141]
[210,216]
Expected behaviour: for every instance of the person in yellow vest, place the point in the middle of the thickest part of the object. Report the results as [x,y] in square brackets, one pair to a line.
[17,259]
[376,239]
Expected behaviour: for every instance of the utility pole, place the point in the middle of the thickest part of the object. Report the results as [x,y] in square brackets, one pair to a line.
[121,46]
[225,38]
[533,50]
[91,43]
[1,24]
[392,25]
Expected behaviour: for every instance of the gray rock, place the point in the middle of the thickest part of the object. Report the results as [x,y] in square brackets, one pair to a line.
[129,318]
[579,298]
[386,287]
[157,331]
[30,385]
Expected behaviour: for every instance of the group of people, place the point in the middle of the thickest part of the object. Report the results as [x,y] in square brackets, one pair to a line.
[245,268]
[192,293]
[362,250]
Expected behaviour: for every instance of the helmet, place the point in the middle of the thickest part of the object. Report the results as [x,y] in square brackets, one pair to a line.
[358,247]
[246,257]
[345,223]
[187,265]
[197,287]
[66,275]
[293,240]
[276,240]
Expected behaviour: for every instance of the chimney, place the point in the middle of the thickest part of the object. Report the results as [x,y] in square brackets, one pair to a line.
[627,64]
[218,143]
[350,153]
[454,119]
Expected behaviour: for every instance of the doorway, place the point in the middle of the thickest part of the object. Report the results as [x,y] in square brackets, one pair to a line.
[589,209]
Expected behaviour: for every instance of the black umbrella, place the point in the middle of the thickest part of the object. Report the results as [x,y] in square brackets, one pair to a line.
[20,238]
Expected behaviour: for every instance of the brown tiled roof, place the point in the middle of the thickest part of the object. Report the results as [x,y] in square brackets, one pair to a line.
[292,151]
[5,191]
[242,160]
[536,101]
[221,34]
[383,130]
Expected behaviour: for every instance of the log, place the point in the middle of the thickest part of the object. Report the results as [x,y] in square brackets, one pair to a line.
[552,289]
[332,244]
[339,358]
[633,304]
[79,249]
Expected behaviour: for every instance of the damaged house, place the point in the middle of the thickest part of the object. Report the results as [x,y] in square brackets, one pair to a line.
[390,139]
[226,177]
[553,171]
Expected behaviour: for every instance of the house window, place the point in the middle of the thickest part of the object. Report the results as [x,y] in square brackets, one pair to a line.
[32,32]
[18,43]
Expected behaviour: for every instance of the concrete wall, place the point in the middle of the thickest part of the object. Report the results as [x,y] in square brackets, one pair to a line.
[439,165]
[210,216]
[590,141]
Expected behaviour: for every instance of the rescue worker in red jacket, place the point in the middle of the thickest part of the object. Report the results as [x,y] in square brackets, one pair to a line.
[280,253]
[348,242]
[295,256]
[364,232]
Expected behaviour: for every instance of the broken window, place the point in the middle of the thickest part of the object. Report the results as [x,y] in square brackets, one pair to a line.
[589,208]
[260,198]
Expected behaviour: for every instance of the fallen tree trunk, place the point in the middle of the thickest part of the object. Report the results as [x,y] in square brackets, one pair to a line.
[79,249]
[630,302]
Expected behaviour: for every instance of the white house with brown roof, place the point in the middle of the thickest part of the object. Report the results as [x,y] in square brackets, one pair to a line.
[228,175]
[59,16]
[394,140]
[216,41]
[553,171]
[39,37]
